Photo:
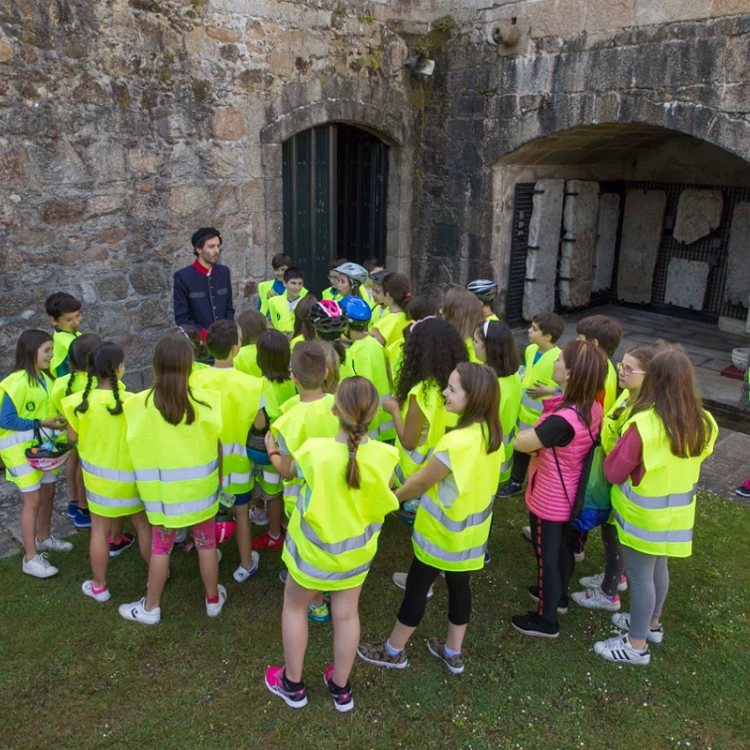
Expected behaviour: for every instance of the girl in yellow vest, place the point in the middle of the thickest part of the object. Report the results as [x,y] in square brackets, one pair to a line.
[351,281]
[463,311]
[379,308]
[173,438]
[654,470]
[332,539]
[457,488]
[25,406]
[251,324]
[329,321]
[96,423]
[200,353]
[303,328]
[75,382]
[396,297]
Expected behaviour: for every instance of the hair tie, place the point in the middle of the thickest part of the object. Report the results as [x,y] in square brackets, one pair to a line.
[407,295]
[352,454]
[184,333]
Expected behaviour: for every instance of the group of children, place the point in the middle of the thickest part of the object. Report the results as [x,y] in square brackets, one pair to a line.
[319,418]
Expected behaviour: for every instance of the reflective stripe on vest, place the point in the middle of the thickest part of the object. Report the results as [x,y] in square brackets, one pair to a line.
[20,471]
[16,439]
[398,471]
[113,474]
[442,554]
[475,519]
[234,478]
[675,500]
[292,490]
[677,536]
[419,458]
[324,575]
[508,439]
[176,475]
[180,509]
[531,403]
[271,477]
[507,465]
[113,502]
[233,449]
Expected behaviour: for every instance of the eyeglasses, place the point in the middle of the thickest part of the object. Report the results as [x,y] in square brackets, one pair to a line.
[625,370]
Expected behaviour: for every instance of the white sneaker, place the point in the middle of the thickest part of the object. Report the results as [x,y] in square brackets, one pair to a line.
[137,612]
[594,598]
[53,545]
[618,649]
[579,557]
[214,610]
[39,567]
[622,621]
[400,580]
[181,536]
[88,589]
[526,531]
[218,554]
[241,574]
[259,516]
[595,581]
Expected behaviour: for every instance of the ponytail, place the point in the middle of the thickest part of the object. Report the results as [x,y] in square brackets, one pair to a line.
[356,433]
[357,404]
[340,350]
[83,407]
[116,392]
[398,287]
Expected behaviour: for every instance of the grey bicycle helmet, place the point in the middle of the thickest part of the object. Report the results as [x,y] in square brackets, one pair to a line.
[353,271]
[484,289]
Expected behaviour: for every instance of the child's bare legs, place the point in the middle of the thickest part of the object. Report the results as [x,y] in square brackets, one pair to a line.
[318,599]
[243,535]
[204,536]
[162,542]
[275,514]
[456,635]
[74,475]
[32,502]
[44,518]
[294,628]
[142,528]
[116,526]
[99,549]
[345,613]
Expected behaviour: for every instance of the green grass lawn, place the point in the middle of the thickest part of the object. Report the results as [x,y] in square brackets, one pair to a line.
[74,675]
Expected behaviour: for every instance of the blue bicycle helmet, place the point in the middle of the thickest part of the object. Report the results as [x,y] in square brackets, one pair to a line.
[356,309]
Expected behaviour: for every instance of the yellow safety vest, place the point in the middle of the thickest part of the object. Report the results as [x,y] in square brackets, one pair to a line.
[296,340]
[176,466]
[299,421]
[61,341]
[282,318]
[245,361]
[330,293]
[333,532]
[470,351]
[510,404]
[367,358]
[60,387]
[437,419]
[378,313]
[395,356]
[263,289]
[453,518]
[541,372]
[610,388]
[31,402]
[391,327]
[657,516]
[240,404]
[612,426]
[107,468]
[492,317]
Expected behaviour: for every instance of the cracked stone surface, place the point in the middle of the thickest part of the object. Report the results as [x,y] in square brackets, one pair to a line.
[579,242]
[738,265]
[686,283]
[698,214]
[606,241]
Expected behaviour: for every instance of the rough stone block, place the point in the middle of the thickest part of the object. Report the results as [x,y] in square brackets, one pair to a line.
[738,263]
[185,200]
[649,12]
[609,14]
[544,246]
[577,246]
[698,214]
[642,226]
[606,241]
[227,124]
[686,283]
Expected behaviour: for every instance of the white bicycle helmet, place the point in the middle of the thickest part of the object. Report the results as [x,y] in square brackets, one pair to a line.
[484,289]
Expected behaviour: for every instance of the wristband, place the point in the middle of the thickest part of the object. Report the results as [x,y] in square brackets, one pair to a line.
[274,453]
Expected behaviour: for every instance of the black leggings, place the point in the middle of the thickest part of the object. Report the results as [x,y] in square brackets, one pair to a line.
[520,467]
[421,577]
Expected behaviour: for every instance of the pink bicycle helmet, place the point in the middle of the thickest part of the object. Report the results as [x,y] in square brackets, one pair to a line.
[328,317]
[225,526]
[47,454]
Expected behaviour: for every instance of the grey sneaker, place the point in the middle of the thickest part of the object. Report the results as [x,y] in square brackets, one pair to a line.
[400,580]
[436,646]
[51,544]
[377,653]
[622,621]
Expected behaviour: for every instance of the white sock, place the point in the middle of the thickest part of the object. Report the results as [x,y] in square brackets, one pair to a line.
[392,651]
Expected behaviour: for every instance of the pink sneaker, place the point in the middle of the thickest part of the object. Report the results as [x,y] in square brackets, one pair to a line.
[342,697]
[275,683]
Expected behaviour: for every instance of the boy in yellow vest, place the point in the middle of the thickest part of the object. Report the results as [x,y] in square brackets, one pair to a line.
[64,312]
[606,333]
[274,287]
[540,356]
[241,407]
[281,308]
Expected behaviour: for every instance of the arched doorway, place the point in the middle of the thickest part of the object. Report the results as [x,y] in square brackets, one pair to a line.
[335,179]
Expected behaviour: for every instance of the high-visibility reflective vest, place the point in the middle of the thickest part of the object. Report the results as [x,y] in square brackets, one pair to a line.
[331,293]
[31,402]
[541,372]
[107,468]
[610,387]
[492,317]
[395,355]
[470,351]
[510,404]
[333,532]
[657,516]
[60,387]
[61,341]
[391,327]
[296,340]
[281,317]
[300,421]
[176,466]
[263,290]
[612,425]
[367,358]
[378,313]
[245,361]
[240,403]
[437,419]
[453,518]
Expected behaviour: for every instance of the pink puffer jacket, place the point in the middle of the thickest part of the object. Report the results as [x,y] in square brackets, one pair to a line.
[545,496]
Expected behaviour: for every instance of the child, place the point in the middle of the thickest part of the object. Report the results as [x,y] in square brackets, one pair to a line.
[281,308]
[420,308]
[241,409]
[332,540]
[538,384]
[494,345]
[278,388]
[64,312]
[332,292]
[464,312]
[173,438]
[453,519]
[305,416]
[654,469]
[26,406]
[201,357]
[303,328]
[275,286]
[97,425]
[329,322]
[74,382]
[396,296]
[372,265]
[485,292]
[605,332]
[352,278]
[252,324]
[558,444]
[379,308]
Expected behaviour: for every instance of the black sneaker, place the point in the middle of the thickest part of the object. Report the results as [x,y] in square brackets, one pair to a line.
[743,491]
[533,625]
[561,610]
[342,697]
[509,489]
[117,549]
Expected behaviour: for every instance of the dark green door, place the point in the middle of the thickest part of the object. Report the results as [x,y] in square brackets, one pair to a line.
[335,179]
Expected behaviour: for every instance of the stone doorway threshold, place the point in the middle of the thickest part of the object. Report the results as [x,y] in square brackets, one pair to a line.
[709,349]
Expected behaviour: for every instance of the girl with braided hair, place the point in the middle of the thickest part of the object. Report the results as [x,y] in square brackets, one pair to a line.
[108,475]
[332,539]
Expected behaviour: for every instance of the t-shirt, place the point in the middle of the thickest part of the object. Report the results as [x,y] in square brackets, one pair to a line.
[555,431]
